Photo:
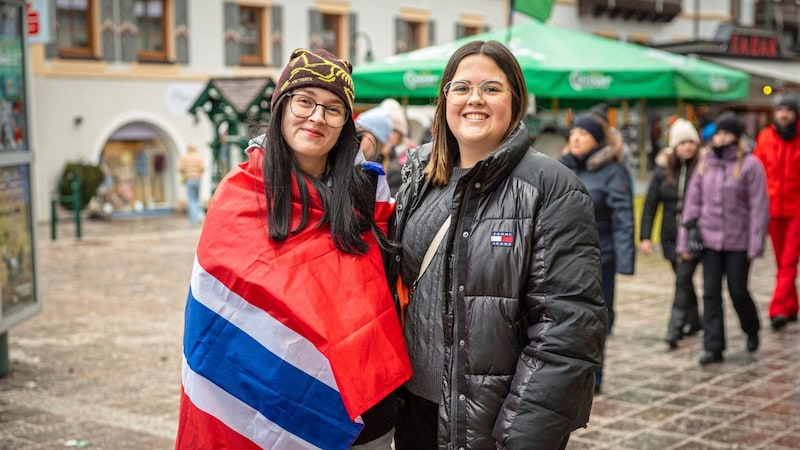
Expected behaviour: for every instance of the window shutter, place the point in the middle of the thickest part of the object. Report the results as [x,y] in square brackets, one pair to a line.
[352,23]
[315,41]
[129,31]
[461,31]
[277,35]
[231,34]
[400,35]
[182,31]
[51,48]
[431,33]
[108,29]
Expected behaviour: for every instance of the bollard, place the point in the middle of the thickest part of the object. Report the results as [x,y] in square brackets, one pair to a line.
[76,208]
[4,361]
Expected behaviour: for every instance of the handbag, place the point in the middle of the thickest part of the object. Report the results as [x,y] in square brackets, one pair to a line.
[404,293]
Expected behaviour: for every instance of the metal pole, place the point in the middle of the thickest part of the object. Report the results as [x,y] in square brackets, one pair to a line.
[76,204]
[53,219]
[4,361]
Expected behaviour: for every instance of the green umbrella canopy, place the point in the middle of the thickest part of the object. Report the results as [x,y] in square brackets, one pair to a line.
[560,63]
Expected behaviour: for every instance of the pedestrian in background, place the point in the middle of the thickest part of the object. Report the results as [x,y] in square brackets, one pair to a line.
[609,185]
[191,167]
[506,323]
[291,332]
[374,129]
[674,167]
[778,148]
[727,207]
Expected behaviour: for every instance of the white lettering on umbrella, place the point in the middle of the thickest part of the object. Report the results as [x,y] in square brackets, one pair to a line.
[413,80]
[718,84]
[579,81]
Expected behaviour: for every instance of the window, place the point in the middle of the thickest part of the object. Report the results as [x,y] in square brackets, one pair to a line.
[331,24]
[152,29]
[411,35]
[250,49]
[74,28]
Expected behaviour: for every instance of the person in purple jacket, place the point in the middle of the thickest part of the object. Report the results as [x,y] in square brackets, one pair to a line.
[727,209]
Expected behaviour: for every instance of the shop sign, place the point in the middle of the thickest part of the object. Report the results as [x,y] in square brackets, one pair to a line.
[754,46]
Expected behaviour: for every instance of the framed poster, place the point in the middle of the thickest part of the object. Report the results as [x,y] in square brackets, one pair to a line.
[18,297]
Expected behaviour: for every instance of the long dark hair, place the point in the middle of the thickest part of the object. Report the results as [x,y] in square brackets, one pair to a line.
[444,152]
[347,192]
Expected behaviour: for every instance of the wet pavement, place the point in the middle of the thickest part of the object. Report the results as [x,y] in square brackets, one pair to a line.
[99,367]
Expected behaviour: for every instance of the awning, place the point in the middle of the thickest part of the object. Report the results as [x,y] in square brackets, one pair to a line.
[778,70]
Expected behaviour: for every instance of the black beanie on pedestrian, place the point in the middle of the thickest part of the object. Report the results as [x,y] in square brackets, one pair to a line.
[592,126]
[788,101]
[729,122]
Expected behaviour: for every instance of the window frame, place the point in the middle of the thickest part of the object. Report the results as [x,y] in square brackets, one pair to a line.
[153,55]
[250,59]
[78,52]
[337,33]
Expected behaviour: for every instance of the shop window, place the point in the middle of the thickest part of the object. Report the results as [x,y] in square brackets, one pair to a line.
[467,30]
[151,22]
[74,28]
[250,45]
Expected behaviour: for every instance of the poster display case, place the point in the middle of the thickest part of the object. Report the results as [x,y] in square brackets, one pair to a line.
[19,297]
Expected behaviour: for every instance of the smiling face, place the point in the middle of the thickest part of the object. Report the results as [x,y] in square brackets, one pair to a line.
[479,126]
[311,139]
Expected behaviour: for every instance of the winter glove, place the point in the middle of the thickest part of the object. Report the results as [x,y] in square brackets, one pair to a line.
[694,242]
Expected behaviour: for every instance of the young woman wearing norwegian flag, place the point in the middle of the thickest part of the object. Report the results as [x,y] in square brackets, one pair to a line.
[292,339]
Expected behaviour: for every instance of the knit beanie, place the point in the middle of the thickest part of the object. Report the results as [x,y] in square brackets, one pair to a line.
[787,101]
[319,69]
[681,131]
[729,122]
[377,121]
[592,126]
[399,122]
[600,110]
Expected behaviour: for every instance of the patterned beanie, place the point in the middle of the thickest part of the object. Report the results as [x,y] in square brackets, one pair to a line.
[319,68]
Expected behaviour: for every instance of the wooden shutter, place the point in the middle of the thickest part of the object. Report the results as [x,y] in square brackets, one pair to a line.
[315,41]
[129,32]
[182,31]
[276,35]
[231,34]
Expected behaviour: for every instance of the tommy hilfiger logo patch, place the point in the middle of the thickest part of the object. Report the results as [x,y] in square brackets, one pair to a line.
[502,239]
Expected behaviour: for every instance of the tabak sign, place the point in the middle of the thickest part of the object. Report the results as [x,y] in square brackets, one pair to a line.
[753,45]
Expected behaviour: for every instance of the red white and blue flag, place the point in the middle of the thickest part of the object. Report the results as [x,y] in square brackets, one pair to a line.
[285,344]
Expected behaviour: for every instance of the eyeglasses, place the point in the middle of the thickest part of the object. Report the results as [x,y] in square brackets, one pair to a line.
[458,92]
[303,106]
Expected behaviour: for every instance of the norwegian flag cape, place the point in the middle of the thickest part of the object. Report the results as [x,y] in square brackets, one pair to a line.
[285,344]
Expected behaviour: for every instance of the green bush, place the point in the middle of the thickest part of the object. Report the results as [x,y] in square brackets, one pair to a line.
[91,177]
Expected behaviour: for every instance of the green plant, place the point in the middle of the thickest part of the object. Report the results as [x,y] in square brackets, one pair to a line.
[90,178]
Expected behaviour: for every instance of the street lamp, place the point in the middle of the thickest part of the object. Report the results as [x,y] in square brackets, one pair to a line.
[368,56]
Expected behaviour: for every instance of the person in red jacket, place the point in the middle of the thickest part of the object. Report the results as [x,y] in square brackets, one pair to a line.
[778,148]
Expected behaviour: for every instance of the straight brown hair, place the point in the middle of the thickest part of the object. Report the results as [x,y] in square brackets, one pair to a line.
[444,147]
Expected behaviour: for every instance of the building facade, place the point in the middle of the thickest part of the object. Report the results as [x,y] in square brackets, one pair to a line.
[114,84]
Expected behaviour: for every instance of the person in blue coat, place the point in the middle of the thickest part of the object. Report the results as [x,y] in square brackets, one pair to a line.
[609,186]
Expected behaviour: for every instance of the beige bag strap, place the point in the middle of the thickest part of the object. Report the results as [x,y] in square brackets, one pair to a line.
[426,260]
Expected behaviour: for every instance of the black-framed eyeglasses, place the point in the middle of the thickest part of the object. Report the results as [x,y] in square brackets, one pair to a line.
[303,106]
[458,92]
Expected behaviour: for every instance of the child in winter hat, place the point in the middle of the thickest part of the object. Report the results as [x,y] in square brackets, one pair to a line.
[378,122]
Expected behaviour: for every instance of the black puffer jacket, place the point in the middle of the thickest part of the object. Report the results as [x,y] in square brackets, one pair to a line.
[524,324]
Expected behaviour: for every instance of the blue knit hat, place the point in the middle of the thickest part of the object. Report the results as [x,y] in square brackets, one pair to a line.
[592,126]
[377,121]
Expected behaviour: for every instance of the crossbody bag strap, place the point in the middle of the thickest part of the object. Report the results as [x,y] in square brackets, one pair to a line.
[426,260]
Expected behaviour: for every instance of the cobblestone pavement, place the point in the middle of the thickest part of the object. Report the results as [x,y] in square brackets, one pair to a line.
[100,365]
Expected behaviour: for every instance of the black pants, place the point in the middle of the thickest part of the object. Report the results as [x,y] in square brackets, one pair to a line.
[684,307]
[417,423]
[735,267]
